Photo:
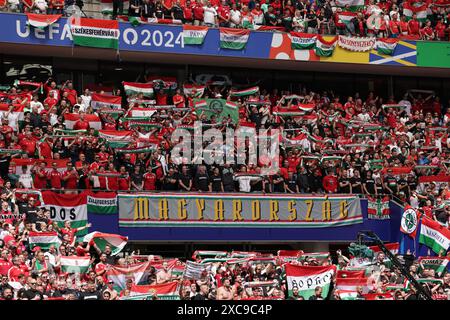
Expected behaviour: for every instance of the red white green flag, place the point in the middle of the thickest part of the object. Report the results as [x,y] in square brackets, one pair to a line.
[233,39]
[245,92]
[438,264]
[353,283]
[164,291]
[101,240]
[65,207]
[418,8]
[194,90]
[42,21]
[325,48]
[105,100]
[434,235]
[302,41]
[71,118]
[44,240]
[95,32]
[194,35]
[120,274]
[116,138]
[386,46]
[75,264]
[378,208]
[135,88]
[351,4]
[307,278]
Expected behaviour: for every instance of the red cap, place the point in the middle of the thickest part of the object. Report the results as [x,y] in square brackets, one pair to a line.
[36,249]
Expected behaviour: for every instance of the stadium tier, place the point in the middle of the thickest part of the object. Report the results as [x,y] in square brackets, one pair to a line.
[255,150]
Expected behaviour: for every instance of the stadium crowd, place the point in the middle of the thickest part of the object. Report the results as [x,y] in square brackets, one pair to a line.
[376,146]
[427,20]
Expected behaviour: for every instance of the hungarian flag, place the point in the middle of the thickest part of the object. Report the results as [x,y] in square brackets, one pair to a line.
[102,203]
[101,240]
[116,138]
[75,264]
[307,107]
[438,264]
[303,41]
[164,290]
[325,48]
[15,117]
[195,270]
[66,207]
[95,32]
[44,240]
[354,5]
[347,294]
[307,278]
[16,164]
[107,6]
[350,274]
[386,45]
[285,256]
[378,208]
[140,113]
[194,35]
[105,100]
[42,21]
[175,266]
[71,118]
[353,283]
[120,274]
[346,17]
[193,90]
[145,149]
[434,235]
[409,221]
[135,88]
[321,257]
[198,254]
[164,21]
[392,247]
[233,39]
[245,92]
[419,8]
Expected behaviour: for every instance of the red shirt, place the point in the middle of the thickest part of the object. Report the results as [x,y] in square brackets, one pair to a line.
[187,13]
[149,181]
[40,182]
[113,183]
[198,12]
[72,182]
[178,100]
[224,11]
[330,183]
[4,267]
[440,30]
[14,273]
[55,179]
[404,26]
[161,99]
[72,95]
[45,150]
[394,26]
[28,145]
[50,101]
[124,183]
[81,125]
[414,26]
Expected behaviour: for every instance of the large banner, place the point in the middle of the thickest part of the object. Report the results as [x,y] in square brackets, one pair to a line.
[237,210]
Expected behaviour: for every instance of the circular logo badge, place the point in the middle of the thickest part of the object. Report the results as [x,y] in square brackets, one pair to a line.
[216,106]
[409,221]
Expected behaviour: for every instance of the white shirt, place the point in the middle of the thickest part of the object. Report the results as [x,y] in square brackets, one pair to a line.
[407,106]
[37,104]
[364,117]
[26,179]
[235,16]
[209,15]
[86,100]
[41,4]
[244,182]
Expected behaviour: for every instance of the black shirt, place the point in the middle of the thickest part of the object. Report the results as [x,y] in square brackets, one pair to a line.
[32,293]
[346,188]
[216,182]
[185,179]
[313,18]
[370,186]
[278,187]
[90,295]
[202,182]
[177,12]
[356,189]
[168,185]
